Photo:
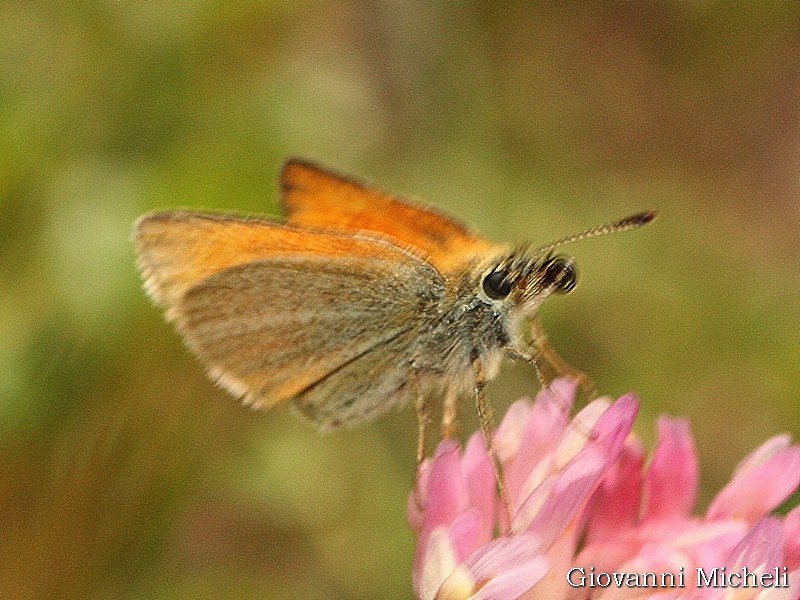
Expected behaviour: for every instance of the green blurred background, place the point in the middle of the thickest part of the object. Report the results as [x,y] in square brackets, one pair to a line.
[124,473]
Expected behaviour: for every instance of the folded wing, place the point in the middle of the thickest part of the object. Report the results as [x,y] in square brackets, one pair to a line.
[325,319]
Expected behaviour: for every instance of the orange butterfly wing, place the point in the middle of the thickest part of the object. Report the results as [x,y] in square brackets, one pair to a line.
[278,312]
[315,197]
[179,248]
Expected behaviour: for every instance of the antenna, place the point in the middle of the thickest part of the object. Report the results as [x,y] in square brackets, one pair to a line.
[629,222]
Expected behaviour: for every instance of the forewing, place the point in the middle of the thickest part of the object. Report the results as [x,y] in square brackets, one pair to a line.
[178,249]
[335,334]
[313,196]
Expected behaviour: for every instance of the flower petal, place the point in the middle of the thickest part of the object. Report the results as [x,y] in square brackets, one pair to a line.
[446,493]
[539,425]
[577,434]
[415,507]
[615,424]
[615,506]
[464,534]
[541,432]
[441,493]
[437,563]
[791,546]
[551,508]
[567,493]
[478,473]
[761,549]
[760,483]
[764,452]
[507,567]
[508,435]
[671,481]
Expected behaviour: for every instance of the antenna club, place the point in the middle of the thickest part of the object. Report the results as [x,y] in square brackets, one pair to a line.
[639,219]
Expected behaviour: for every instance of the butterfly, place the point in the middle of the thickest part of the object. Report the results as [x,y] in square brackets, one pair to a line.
[356,302]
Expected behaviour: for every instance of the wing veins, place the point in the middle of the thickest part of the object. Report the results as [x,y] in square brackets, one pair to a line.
[352,359]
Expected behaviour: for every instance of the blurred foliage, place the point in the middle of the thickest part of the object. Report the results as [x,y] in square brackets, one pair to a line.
[124,473]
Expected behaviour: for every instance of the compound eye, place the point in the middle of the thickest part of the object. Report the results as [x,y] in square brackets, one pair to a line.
[497,284]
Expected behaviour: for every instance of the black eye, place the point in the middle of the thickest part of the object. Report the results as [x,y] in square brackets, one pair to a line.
[497,285]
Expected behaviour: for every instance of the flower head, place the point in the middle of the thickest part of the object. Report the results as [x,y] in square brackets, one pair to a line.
[585,501]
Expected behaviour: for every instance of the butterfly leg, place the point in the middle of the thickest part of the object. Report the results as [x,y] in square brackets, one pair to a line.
[449,413]
[544,356]
[423,415]
[487,427]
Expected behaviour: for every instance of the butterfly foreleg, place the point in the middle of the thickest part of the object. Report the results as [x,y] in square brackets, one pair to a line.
[549,364]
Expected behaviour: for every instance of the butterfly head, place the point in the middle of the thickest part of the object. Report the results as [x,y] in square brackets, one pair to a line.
[522,279]
[525,276]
